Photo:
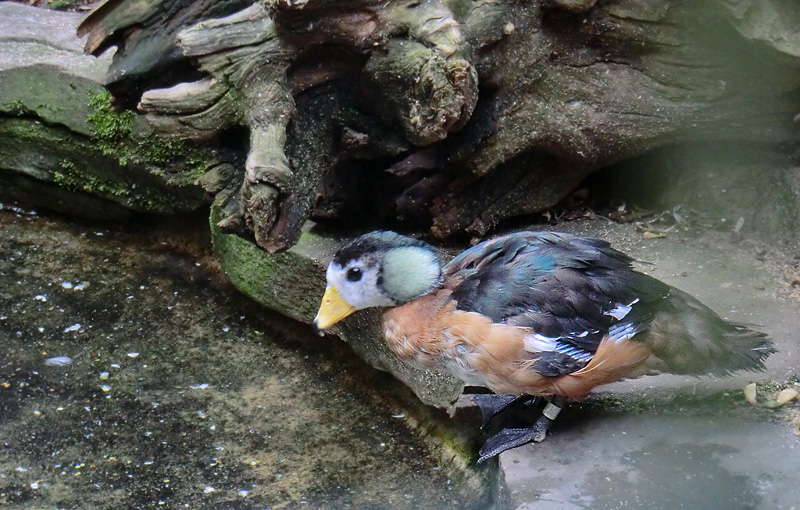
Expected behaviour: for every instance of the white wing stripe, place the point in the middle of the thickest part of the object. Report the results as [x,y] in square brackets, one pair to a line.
[621,310]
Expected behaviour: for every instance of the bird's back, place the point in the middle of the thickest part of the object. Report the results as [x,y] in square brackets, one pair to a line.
[569,295]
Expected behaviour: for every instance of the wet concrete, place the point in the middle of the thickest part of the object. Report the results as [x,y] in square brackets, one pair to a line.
[611,461]
[133,375]
[668,441]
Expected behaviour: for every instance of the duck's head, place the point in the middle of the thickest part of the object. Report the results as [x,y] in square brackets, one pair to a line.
[377,269]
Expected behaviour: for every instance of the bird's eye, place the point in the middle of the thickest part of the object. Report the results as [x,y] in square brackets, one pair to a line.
[354,274]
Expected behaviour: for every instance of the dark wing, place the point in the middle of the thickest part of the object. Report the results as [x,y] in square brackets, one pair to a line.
[570,291]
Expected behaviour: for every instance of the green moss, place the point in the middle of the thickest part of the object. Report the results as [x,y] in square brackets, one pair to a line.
[18,108]
[70,156]
[52,108]
[62,5]
[110,129]
[165,154]
[72,178]
[109,125]
[26,130]
[113,135]
[257,274]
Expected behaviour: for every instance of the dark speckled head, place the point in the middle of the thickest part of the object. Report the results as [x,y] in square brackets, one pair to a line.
[383,268]
[380,240]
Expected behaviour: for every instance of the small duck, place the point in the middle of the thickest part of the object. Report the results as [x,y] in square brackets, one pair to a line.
[531,314]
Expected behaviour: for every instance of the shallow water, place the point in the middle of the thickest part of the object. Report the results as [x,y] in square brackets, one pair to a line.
[132,375]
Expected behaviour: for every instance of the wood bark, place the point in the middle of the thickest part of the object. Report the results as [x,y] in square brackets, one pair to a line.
[450,115]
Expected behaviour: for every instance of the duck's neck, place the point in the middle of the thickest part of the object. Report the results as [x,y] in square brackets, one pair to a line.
[410,272]
[413,331]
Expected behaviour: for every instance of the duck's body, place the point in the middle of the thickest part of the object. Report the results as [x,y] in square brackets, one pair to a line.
[555,314]
[541,314]
[430,332]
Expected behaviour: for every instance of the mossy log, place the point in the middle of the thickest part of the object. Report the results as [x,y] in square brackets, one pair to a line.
[447,115]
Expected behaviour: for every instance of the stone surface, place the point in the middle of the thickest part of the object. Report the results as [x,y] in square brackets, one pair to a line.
[657,461]
[43,70]
[718,184]
[742,280]
[61,146]
[666,417]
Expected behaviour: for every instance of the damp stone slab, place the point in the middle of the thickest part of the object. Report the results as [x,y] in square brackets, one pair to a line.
[655,462]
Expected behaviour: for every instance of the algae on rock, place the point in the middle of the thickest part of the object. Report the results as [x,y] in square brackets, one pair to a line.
[62,147]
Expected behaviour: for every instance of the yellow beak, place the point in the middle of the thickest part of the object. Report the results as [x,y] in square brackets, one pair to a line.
[332,310]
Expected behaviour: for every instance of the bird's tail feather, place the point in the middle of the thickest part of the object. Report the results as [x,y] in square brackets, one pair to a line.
[691,339]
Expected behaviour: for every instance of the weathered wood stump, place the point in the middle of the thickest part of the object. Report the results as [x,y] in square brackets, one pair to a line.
[445,115]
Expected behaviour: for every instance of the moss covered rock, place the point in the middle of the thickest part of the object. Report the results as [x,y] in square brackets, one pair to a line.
[61,145]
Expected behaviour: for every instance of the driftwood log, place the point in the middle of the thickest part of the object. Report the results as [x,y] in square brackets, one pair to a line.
[448,115]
